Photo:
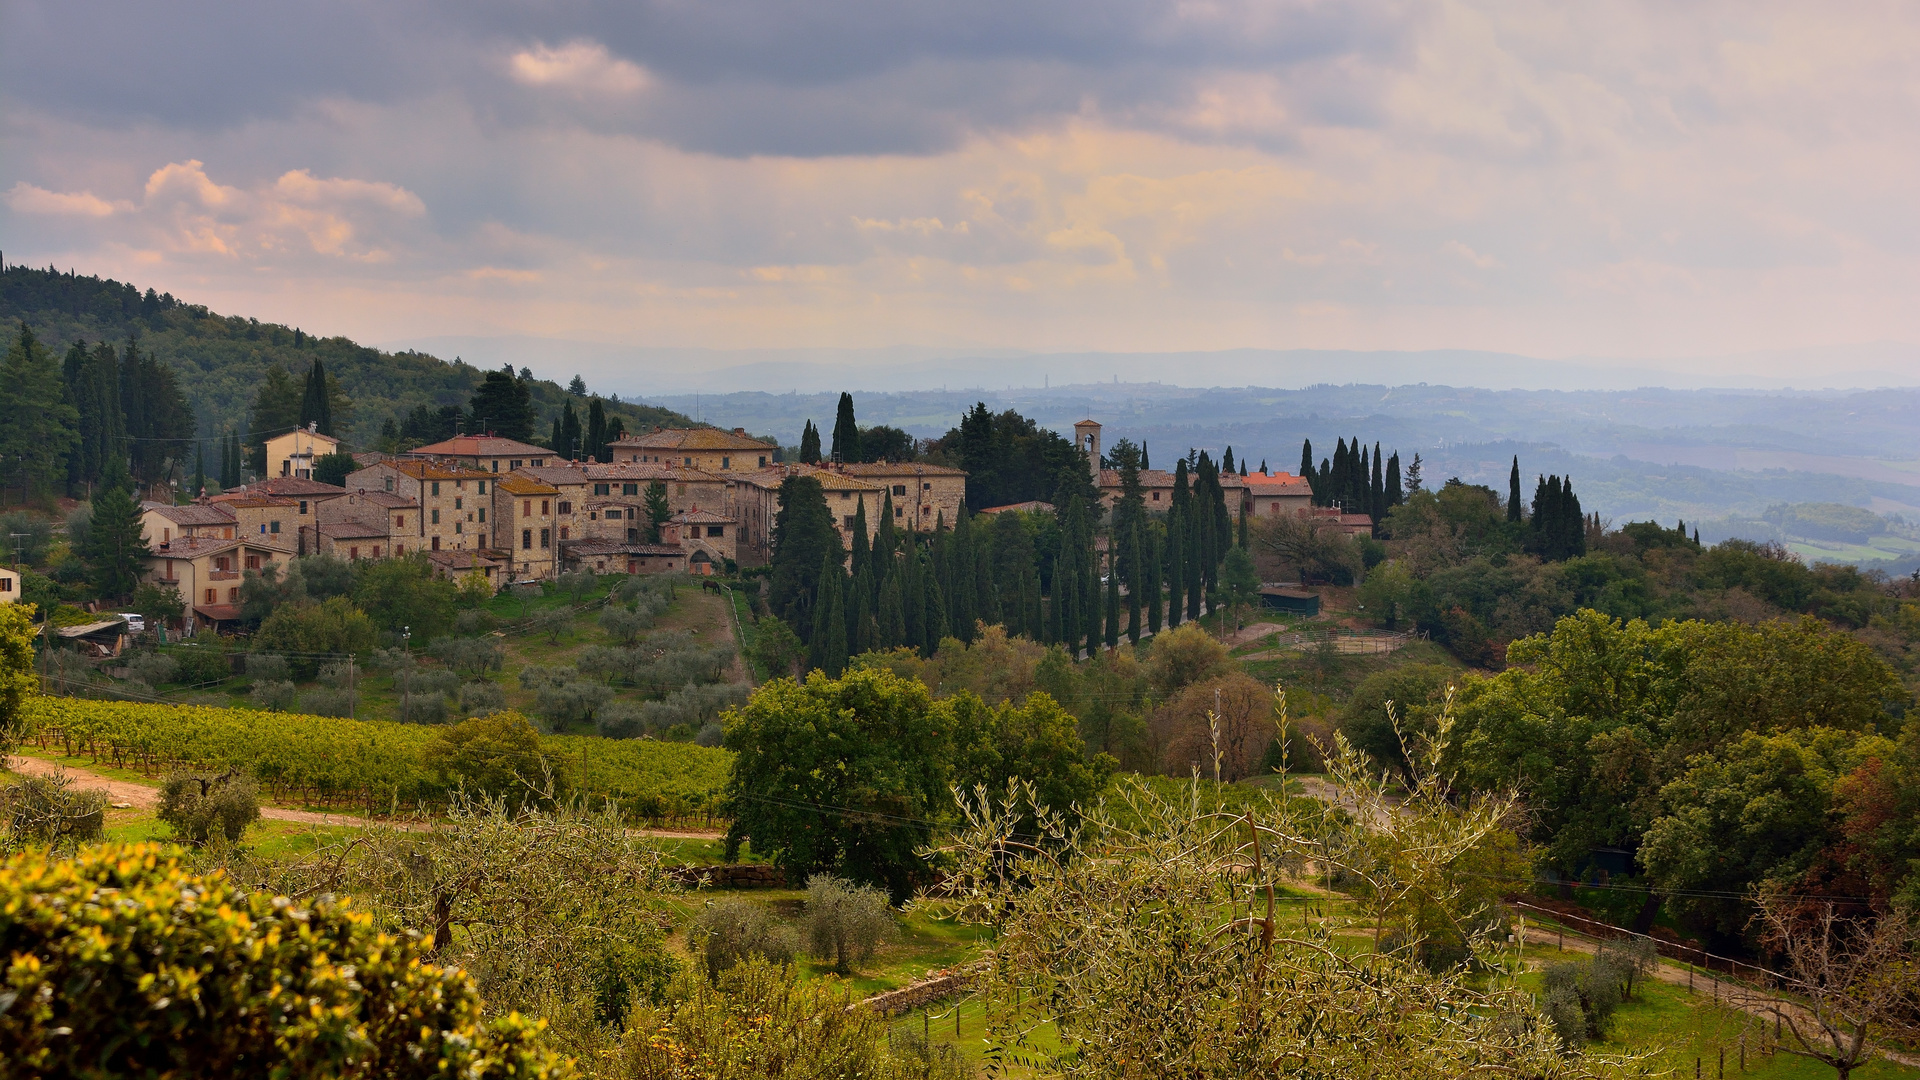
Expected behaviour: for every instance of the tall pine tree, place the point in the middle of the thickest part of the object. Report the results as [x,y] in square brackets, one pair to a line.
[115,553]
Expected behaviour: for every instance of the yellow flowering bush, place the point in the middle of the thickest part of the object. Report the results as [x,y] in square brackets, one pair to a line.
[123,962]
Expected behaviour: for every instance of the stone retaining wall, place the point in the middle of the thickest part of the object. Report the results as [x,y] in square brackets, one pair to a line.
[732,876]
[937,985]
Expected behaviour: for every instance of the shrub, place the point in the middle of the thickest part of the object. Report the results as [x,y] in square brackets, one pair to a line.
[422,709]
[266,667]
[1579,997]
[620,720]
[482,698]
[624,626]
[334,626]
[153,668]
[50,810]
[474,656]
[182,975]
[493,755]
[845,922]
[711,733]
[1184,656]
[274,696]
[202,807]
[200,666]
[553,622]
[570,702]
[330,701]
[474,622]
[728,931]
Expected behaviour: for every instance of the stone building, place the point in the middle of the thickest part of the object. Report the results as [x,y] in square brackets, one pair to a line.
[1270,493]
[292,455]
[710,449]
[709,538]
[923,495]
[529,530]
[453,502]
[486,453]
[207,571]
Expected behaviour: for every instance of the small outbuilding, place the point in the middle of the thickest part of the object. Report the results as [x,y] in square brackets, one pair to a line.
[1293,601]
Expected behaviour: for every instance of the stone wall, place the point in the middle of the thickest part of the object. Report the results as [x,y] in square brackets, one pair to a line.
[937,985]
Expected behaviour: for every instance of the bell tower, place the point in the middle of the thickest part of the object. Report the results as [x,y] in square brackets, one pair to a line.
[1086,438]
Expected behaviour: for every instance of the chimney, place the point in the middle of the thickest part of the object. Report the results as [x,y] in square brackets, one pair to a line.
[740,431]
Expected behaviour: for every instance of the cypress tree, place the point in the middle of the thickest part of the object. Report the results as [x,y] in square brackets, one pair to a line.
[1377,489]
[1306,468]
[1513,491]
[316,407]
[860,555]
[1113,605]
[804,540]
[115,553]
[830,620]
[913,591]
[884,540]
[1395,494]
[1139,579]
[593,446]
[1263,467]
[1226,460]
[1242,540]
[892,613]
[986,601]
[810,444]
[846,433]
[936,617]
[1176,561]
[1150,579]
[1337,492]
[861,628]
[1360,488]
[199,467]
[1143,455]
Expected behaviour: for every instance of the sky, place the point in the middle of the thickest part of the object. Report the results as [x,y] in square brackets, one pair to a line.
[1632,182]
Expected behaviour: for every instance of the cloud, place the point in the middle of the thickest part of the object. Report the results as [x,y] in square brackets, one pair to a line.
[28,199]
[1643,179]
[579,67]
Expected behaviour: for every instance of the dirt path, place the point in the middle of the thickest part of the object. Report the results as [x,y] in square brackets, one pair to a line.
[147,796]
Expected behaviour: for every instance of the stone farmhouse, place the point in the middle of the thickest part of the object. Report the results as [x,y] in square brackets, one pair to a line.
[695,448]
[292,455]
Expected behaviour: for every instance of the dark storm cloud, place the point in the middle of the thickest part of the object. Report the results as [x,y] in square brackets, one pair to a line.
[853,76]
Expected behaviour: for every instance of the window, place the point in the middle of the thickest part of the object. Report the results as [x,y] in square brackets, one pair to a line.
[716,530]
[1156,496]
[565,507]
[233,596]
[763,461]
[496,464]
[399,521]
[459,485]
[630,514]
[899,489]
[209,597]
[399,550]
[459,503]
[563,532]
[436,543]
[483,515]
[688,462]
[483,487]
[223,564]
[546,538]
[846,494]
[436,488]
[253,562]
[436,517]
[593,515]
[600,489]
[926,487]
[6,584]
[389,483]
[526,539]
[633,536]
[303,506]
[629,489]
[539,461]
[459,527]
[543,508]
[273,527]
[726,463]
[926,510]
[376,551]
[354,553]
[847,522]
[526,508]
[166,537]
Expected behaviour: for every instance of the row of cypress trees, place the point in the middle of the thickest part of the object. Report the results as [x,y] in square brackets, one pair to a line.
[1042,576]
[1353,479]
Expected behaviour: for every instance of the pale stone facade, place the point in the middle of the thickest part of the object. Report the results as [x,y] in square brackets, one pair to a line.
[292,455]
[710,449]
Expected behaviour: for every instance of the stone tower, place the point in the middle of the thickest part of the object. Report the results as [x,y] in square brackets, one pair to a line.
[1086,438]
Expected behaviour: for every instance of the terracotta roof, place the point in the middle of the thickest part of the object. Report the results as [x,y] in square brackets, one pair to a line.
[435,470]
[257,502]
[557,474]
[365,458]
[1029,506]
[831,479]
[702,439]
[292,485]
[352,530]
[697,516]
[514,483]
[192,547]
[389,499]
[1278,484]
[195,515]
[218,612]
[459,560]
[901,468]
[577,548]
[482,446]
[652,470]
[1149,478]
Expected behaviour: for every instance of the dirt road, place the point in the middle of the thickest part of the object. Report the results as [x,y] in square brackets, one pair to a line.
[146,796]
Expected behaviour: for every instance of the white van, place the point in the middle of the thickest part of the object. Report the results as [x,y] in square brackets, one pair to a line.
[136,624]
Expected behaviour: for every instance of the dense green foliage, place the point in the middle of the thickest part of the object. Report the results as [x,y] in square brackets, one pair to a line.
[122,962]
[851,775]
[221,362]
